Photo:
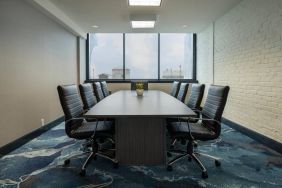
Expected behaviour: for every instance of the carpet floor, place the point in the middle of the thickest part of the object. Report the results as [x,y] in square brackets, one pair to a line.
[38,163]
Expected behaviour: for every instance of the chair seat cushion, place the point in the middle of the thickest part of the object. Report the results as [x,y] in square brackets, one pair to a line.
[86,130]
[198,131]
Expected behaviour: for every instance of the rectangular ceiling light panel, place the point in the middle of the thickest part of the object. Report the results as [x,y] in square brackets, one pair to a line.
[143,24]
[144,2]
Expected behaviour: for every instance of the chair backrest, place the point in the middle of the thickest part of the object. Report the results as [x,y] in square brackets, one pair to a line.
[182,91]
[214,106]
[105,89]
[70,101]
[196,96]
[144,82]
[174,88]
[98,91]
[87,95]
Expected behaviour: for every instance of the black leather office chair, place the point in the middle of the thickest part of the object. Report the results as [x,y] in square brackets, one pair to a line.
[70,101]
[98,91]
[78,128]
[174,89]
[208,128]
[105,89]
[194,102]
[144,82]
[182,92]
[196,96]
[87,95]
[89,100]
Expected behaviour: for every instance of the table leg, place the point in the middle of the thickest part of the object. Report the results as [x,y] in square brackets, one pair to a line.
[141,141]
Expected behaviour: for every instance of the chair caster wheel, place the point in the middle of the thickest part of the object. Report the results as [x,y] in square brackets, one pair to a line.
[168,154]
[205,175]
[82,172]
[169,168]
[115,165]
[217,163]
[189,159]
[66,162]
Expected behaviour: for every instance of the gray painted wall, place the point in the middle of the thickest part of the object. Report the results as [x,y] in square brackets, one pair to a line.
[36,54]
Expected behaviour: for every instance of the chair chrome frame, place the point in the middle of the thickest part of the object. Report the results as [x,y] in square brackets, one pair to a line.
[190,153]
[96,149]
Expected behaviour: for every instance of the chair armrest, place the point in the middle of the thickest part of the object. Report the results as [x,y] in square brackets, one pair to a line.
[82,118]
[206,119]
[199,111]
[196,110]
[79,118]
[89,119]
[188,118]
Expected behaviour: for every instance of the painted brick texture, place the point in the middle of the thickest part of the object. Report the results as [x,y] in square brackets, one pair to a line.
[205,58]
[248,58]
[205,55]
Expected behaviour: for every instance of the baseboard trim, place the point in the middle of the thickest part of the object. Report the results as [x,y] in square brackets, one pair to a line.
[273,144]
[26,138]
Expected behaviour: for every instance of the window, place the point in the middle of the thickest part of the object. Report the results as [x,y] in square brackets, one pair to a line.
[150,56]
[106,56]
[141,56]
[176,56]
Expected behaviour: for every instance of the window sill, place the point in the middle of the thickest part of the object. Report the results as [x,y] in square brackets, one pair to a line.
[149,80]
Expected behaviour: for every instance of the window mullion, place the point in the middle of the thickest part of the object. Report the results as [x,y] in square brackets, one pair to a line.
[159,71]
[194,57]
[123,56]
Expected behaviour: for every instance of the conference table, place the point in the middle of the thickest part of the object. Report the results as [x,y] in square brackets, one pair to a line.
[140,124]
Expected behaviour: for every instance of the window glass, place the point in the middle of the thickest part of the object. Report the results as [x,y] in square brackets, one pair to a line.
[176,56]
[106,56]
[141,56]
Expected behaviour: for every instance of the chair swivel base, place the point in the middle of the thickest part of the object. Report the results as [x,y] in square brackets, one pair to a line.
[94,156]
[91,156]
[191,157]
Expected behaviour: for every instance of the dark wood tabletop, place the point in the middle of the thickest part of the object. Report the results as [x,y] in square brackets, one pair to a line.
[126,103]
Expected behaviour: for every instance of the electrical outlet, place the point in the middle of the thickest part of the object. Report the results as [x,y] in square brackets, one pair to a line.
[42,122]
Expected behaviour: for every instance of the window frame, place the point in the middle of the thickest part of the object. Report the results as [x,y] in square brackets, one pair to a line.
[159,80]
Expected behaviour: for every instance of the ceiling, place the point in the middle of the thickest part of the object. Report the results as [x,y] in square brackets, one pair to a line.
[112,16]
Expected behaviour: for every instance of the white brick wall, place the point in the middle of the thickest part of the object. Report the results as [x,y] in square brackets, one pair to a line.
[248,58]
[205,57]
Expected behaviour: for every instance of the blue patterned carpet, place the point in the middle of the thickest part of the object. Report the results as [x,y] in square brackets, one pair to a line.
[245,163]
